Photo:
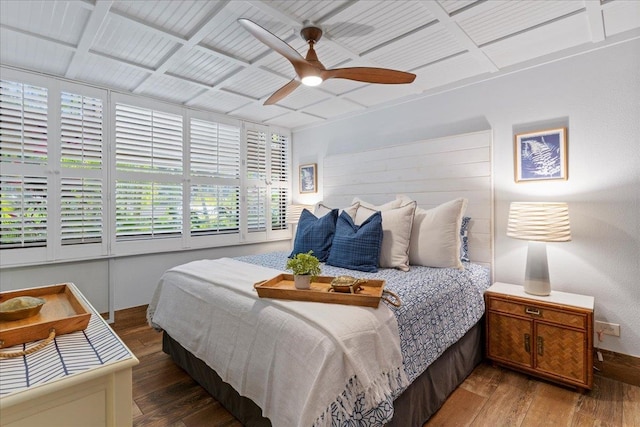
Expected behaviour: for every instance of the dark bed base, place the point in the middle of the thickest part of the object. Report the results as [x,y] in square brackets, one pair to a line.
[413,408]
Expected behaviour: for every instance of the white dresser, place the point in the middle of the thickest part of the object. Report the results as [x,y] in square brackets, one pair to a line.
[81,379]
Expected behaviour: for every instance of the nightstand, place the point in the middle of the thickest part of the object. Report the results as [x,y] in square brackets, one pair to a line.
[549,337]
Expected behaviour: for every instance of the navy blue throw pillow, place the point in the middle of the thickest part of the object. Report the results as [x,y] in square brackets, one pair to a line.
[357,247]
[315,234]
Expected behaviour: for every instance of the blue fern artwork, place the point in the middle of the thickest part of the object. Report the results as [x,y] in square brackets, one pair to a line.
[540,157]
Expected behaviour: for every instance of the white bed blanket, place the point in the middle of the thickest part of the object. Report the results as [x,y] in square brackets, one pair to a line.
[294,359]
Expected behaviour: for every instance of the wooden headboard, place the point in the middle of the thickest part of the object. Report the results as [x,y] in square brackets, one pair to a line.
[431,172]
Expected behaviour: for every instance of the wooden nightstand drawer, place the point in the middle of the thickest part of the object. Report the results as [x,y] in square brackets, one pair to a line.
[536,311]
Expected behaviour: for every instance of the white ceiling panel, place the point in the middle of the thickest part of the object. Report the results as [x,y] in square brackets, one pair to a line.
[559,35]
[195,52]
[334,107]
[59,20]
[229,37]
[291,120]
[43,56]
[304,96]
[388,19]
[219,101]
[341,86]
[621,16]
[379,94]
[254,83]
[174,90]
[177,17]
[508,17]
[423,47]
[110,73]
[203,67]
[312,10]
[133,43]
[452,6]
[450,70]
[260,113]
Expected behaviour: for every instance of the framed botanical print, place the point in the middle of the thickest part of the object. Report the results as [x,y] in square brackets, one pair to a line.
[308,178]
[541,155]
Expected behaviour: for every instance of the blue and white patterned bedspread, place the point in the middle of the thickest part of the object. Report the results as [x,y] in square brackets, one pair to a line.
[439,306]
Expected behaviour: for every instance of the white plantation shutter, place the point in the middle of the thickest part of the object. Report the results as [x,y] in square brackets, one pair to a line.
[147,140]
[279,180]
[215,209]
[256,180]
[23,161]
[268,183]
[23,123]
[215,177]
[81,164]
[81,210]
[148,209]
[24,211]
[214,149]
[81,131]
[257,209]
[149,165]
[256,154]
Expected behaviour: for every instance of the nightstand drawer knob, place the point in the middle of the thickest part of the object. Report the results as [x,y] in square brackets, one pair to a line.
[531,310]
[527,343]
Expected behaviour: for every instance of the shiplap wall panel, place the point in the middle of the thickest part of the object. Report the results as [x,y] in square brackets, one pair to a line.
[431,172]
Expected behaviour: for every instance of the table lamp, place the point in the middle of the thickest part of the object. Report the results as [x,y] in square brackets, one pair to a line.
[538,222]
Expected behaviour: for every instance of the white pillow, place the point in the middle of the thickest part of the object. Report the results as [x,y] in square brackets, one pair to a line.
[321,210]
[389,205]
[435,237]
[396,233]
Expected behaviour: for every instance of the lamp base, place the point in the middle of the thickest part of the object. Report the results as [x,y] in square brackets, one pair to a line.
[536,281]
[534,287]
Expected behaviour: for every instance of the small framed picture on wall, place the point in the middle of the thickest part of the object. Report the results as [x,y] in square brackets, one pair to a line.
[308,178]
[541,155]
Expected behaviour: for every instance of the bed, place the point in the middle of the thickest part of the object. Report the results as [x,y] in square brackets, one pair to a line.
[289,363]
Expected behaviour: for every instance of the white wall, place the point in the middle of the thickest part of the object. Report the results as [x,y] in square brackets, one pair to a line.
[597,96]
[127,281]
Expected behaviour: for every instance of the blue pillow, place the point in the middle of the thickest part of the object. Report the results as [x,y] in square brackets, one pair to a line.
[464,240]
[357,247]
[315,234]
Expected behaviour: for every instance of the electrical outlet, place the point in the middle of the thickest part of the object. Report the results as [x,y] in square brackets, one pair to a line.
[608,328]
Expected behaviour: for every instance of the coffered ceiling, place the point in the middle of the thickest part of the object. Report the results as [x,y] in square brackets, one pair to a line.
[194,52]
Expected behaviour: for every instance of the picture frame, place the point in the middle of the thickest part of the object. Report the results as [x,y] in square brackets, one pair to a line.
[541,155]
[308,178]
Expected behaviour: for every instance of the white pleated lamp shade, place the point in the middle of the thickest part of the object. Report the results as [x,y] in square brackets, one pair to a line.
[294,212]
[539,221]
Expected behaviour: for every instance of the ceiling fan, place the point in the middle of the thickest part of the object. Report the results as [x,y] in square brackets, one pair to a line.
[310,70]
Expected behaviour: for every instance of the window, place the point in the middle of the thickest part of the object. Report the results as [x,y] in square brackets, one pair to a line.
[24,161]
[268,184]
[148,173]
[214,152]
[52,184]
[85,174]
[81,163]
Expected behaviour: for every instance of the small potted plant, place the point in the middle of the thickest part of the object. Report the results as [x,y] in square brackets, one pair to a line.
[305,268]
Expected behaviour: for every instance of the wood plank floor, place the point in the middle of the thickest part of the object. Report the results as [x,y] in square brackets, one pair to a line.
[164,395]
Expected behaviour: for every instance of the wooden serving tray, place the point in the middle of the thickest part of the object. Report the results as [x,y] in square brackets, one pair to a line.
[282,287]
[64,311]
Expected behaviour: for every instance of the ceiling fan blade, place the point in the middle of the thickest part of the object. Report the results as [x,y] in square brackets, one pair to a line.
[282,92]
[271,40]
[370,75]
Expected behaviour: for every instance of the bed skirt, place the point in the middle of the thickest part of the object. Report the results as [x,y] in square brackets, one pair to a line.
[412,408]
